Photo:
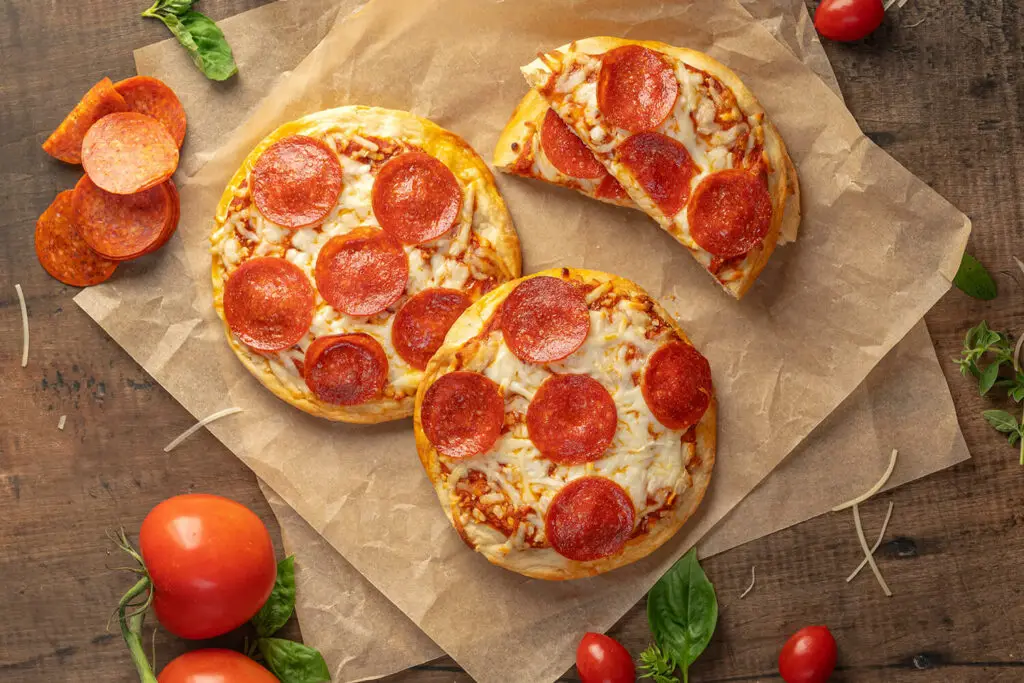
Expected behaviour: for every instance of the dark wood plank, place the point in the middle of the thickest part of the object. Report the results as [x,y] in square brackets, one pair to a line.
[942,96]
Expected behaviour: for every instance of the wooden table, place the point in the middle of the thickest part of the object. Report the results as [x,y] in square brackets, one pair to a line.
[937,92]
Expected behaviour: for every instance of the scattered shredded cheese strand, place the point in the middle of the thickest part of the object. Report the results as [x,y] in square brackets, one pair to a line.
[902,3]
[881,535]
[753,579]
[867,552]
[888,4]
[1016,354]
[1020,264]
[60,424]
[199,425]
[874,489]
[24,326]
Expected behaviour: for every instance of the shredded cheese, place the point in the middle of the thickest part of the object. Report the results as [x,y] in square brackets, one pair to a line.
[753,579]
[1020,264]
[1016,354]
[60,423]
[874,489]
[878,542]
[199,425]
[24,326]
[867,552]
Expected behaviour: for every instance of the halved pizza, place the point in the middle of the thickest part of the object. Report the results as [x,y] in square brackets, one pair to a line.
[567,424]
[344,248]
[670,130]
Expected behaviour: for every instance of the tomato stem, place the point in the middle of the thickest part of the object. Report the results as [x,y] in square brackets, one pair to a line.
[131,628]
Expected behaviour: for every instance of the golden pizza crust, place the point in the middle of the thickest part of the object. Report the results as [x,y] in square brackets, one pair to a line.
[453,151]
[556,567]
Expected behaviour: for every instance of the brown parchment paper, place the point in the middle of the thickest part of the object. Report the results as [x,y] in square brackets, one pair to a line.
[345,500]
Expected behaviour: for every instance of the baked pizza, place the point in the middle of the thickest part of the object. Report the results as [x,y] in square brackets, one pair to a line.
[344,248]
[567,424]
[669,130]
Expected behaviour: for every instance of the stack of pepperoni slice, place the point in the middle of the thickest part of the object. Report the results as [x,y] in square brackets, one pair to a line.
[126,136]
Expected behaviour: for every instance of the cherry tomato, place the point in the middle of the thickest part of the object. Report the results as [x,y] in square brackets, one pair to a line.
[601,659]
[809,656]
[211,562]
[214,666]
[848,20]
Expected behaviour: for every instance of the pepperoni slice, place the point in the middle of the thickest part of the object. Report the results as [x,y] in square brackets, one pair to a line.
[362,272]
[65,143]
[268,303]
[636,88]
[677,385]
[663,168]
[127,152]
[565,151]
[462,414]
[421,324]
[123,226]
[346,369]
[61,250]
[416,198]
[610,188]
[731,212]
[590,518]
[153,97]
[296,181]
[571,419]
[545,319]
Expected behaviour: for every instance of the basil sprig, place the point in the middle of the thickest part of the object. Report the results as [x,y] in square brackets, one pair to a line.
[989,356]
[973,280]
[202,38]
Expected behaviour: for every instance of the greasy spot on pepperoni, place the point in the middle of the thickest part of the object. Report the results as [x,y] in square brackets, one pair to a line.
[571,419]
[663,168]
[462,414]
[677,385]
[545,319]
[423,321]
[590,518]
[610,188]
[362,272]
[296,181]
[268,304]
[636,88]
[346,369]
[731,212]
[416,198]
[565,151]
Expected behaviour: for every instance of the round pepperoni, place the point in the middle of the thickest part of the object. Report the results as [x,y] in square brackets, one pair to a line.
[610,188]
[545,319]
[416,198]
[362,272]
[663,168]
[296,181]
[268,303]
[677,385]
[153,97]
[421,324]
[63,252]
[122,226]
[636,88]
[462,414]
[571,419]
[590,518]
[346,369]
[65,143]
[127,152]
[731,212]
[565,151]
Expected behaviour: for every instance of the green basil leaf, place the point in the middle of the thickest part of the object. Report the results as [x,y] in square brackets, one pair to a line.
[1002,421]
[293,662]
[988,378]
[1017,392]
[973,334]
[278,608]
[1013,438]
[973,280]
[176,7]
[213,56]
[682,610]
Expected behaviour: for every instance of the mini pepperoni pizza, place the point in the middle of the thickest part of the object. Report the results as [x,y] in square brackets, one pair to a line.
[345,247]
[567,424]
[669,130]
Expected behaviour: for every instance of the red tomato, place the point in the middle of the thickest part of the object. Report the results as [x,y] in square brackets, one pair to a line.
[809,656]
[211,562]
[214,666]
[601,659]
[848,20]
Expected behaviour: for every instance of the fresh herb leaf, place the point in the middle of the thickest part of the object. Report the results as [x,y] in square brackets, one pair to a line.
[293,662]
[682,610]
[657,666]
[176,7]
[199,35]
[278,608]
[973,280]
[1001,420]
[988,378]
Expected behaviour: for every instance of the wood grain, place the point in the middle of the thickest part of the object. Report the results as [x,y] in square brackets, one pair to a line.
[938,86]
